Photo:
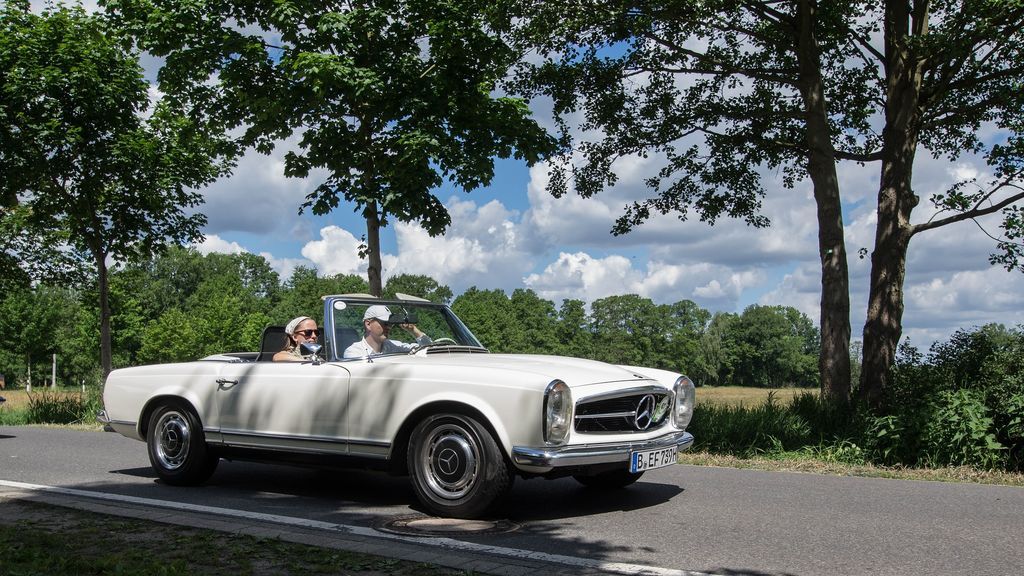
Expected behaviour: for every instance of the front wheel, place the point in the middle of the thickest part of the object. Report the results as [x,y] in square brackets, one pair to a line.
[177,446]
[609,480]
[457,468]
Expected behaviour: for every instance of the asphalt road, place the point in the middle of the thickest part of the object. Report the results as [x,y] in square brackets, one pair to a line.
[713,520]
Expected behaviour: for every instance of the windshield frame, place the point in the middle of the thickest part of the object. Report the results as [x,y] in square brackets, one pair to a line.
[335,305]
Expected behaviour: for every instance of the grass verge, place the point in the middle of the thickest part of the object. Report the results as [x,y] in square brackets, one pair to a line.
[42,539]
[802,462]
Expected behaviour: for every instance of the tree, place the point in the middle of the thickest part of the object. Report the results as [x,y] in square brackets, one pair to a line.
[722,88]
[950,67]
[774,346]
[418,285]
[83,152]
[25,257]
[573,331]
[537,321]
[489,315]
[391,97]
[714,365]
[628,329]
[718,90]
[687,322]
[302,292]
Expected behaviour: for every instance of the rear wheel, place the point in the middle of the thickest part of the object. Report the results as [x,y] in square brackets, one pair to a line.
[177,446]
[609,480]
[457,468]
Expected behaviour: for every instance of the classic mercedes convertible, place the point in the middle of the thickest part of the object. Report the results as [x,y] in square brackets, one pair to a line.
[460,421]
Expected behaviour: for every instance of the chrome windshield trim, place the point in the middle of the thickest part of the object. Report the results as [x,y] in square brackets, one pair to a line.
[590,454]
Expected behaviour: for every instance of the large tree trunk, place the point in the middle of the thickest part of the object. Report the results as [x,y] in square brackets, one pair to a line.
[884,324]
[834,358]
[373,271]
[106,362]
[896,199]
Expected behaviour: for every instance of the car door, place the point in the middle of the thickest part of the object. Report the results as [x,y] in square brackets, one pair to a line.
[284,406]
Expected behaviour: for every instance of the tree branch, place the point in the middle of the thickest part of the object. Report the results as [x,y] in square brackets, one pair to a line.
[977,211]
[859,157]
[723,67]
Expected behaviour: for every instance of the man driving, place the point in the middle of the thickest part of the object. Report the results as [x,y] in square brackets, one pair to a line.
[376,327]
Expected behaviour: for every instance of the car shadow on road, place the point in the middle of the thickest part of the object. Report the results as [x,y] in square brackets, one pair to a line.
[538,499]
[354,490]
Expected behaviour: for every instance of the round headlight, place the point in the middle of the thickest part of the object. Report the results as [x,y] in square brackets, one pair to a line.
[557,412]
[686,398]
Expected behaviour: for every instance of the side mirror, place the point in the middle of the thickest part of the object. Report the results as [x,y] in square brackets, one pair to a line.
[313,349]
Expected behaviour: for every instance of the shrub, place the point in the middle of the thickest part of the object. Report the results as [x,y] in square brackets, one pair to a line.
[885,440]
[1013,431]
[56,408]
[962,433]
[744,431]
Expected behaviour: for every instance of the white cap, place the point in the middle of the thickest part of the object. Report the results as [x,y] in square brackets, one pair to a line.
[290,328]
[382,313]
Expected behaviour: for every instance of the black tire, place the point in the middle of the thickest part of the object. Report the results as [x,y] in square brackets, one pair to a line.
[177,446]
[612,480]
[457,468]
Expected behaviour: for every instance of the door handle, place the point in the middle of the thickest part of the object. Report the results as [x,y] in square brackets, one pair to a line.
[224,383]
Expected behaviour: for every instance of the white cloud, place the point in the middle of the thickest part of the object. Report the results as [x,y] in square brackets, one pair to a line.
[481,248]
[573,221]
[800,289]
[336,252]
[580,275]
[962,300]
[283,266]
[967,298]
[215,244]
[258,197]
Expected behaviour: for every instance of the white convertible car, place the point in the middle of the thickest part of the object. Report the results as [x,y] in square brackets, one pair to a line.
[461,422]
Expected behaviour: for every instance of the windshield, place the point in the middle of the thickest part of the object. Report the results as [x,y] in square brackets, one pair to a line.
[409,325]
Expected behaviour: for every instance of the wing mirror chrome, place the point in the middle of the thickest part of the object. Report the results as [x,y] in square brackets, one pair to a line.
[313,349]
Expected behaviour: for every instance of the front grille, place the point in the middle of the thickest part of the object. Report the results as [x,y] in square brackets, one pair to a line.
[619,413]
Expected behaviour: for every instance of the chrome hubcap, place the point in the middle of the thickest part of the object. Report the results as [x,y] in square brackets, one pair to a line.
[450,460]
[173,435]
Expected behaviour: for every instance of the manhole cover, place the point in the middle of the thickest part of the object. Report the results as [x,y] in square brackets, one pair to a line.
[419,525]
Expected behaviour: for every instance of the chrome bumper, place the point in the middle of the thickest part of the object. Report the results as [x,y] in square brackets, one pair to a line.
[546,459]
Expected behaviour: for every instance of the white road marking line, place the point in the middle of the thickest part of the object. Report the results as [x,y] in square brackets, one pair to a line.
[439,542]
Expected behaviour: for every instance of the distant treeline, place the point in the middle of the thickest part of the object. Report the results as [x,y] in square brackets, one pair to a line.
[183,305]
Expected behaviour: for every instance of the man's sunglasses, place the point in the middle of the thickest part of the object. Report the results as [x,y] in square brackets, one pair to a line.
[306,333]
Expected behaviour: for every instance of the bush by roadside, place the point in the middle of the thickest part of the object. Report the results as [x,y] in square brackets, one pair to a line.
[47,406]
[961,405]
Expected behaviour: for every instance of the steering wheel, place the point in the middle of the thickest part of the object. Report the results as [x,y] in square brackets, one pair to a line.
[418,347]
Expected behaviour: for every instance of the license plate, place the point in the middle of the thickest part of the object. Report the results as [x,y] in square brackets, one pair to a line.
[650,459]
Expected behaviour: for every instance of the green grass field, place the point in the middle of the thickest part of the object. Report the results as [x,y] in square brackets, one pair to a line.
[737,395]
[19,399]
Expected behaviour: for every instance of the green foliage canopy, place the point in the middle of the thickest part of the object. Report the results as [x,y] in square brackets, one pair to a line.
[87,159]
[391,98]
[717,91]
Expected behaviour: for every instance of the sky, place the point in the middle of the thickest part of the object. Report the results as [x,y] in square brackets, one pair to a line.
[513,234]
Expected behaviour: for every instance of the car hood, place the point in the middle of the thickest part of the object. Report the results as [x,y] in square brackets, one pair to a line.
[572,371]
